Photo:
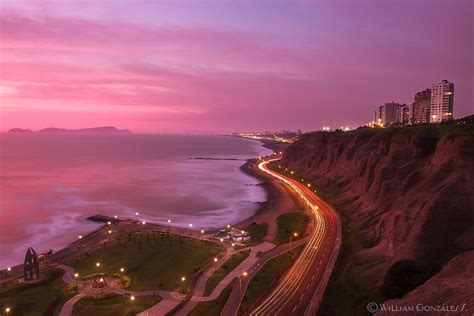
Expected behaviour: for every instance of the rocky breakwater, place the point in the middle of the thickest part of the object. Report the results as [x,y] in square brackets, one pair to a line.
[406,196]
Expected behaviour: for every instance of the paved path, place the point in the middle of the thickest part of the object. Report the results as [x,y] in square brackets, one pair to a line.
[244,266]
[68,307]
[168,302]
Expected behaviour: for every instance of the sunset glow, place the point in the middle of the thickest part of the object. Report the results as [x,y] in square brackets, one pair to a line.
[222,67]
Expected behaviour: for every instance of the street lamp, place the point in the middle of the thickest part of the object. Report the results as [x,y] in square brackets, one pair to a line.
[122,270]
[233,244]
[109,223]
[132,298]
[76,275]
[228,226]
[143,223]
[190,225]
[7,310]
[244,274]
[9,269]
[97,266]
[295,234]
[110,232]
[215,259]
[183,279]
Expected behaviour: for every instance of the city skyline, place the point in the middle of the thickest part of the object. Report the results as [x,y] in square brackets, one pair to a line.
[221,68]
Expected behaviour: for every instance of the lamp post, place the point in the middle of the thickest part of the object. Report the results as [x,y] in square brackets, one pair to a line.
[132,298]
[97,266]
[101,285]
[80,241]
[7,311]
[244,274]
[169,224]
[295,234]
[9,269]
[202,234]
[76,275]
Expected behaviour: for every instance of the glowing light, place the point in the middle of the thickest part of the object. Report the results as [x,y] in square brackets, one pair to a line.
[183,279]
[132,298]
[80,236]
[215,259]
[245,273]
[143,223]
[110,232]
[76,275]
[97,264]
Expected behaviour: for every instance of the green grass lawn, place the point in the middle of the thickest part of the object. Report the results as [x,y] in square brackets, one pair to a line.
[262,281]
[215,307]
[257,231]
[288,224]
[227,267]
[114,305]
[43,298]
[151,261]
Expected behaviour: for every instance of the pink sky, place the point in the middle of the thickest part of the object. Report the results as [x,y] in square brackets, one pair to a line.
[221,66]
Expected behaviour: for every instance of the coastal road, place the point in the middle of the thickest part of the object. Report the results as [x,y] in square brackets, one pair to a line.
[300,290]
[233,302]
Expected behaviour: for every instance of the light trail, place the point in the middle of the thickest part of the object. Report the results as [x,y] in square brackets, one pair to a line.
[289,293]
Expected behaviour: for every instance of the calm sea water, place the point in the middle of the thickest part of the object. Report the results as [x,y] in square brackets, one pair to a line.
[49,184]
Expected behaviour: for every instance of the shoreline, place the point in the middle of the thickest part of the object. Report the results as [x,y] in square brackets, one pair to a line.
[271,194]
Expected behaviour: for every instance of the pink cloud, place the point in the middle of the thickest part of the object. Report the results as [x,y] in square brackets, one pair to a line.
[305,71]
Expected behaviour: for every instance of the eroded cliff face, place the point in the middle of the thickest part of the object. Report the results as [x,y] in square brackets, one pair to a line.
[411,193]
[451,288]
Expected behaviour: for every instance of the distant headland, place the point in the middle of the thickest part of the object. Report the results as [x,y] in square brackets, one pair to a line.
[54,130]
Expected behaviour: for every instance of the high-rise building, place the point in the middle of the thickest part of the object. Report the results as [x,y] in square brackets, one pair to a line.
[420,108]
[404,114]
[387,114]
[442,102]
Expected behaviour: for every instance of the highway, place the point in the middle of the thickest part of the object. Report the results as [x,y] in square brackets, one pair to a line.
[299,292]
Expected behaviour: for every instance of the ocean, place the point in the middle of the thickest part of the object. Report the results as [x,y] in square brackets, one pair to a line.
[50,184]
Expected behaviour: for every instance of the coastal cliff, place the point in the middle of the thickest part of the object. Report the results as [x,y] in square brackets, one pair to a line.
[406,197]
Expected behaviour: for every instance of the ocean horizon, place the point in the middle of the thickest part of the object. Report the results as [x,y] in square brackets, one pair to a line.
[50,184]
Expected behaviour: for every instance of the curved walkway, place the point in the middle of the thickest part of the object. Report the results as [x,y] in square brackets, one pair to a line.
[168,302]
[237,272]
